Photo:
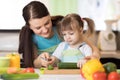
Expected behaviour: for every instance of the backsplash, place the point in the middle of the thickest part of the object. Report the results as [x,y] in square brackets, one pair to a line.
[9,41]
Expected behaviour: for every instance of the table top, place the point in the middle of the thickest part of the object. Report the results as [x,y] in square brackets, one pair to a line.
[59,76]
[110,54]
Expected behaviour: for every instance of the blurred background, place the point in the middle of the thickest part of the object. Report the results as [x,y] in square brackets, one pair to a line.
[105,13]
[98,10]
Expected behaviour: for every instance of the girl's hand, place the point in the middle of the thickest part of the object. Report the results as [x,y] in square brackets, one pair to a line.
[81,62]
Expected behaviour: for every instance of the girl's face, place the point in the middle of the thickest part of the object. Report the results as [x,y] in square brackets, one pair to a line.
[42,26]
[72,37]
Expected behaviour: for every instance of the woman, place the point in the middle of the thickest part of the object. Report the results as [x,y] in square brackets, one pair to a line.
[39,37]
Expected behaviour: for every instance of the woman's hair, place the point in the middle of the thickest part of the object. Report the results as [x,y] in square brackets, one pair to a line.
[33,10]
[75,22]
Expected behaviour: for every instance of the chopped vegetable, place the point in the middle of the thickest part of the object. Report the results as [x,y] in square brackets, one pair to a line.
[50,67]
[67,65]
[90,67]
[110,67]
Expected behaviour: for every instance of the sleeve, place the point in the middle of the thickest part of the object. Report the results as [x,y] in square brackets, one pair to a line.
[86,50]
[34,38]
[58,52]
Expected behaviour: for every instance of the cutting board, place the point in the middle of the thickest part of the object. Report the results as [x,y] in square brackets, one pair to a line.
[62,71]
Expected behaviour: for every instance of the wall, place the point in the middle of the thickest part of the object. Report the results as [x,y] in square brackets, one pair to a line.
[9,41]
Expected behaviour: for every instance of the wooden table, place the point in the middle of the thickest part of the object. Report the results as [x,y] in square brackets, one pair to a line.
[62,71]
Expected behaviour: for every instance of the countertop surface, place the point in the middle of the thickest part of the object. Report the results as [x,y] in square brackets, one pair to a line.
[110,54]
[59,76]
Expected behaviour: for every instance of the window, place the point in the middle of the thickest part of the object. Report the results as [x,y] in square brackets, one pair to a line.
[99,10]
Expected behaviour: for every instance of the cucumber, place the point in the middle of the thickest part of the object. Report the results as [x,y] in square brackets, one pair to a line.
[67,65]
[20,76]
[50,67]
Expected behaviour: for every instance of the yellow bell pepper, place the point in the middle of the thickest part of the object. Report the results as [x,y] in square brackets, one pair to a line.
[14,60]
[91,67]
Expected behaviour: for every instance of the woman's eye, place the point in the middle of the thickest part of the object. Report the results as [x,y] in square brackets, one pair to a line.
[48,22]
[38,28]
[71,33]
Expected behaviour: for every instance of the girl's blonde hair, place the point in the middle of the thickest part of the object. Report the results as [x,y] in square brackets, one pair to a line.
[75,22]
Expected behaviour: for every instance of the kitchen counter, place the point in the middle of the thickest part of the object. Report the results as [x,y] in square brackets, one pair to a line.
[110,54]
[59,76]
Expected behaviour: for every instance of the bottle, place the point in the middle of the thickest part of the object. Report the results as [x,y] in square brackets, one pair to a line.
[14,60]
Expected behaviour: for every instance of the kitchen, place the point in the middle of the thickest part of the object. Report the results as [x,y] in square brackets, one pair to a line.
[12,36]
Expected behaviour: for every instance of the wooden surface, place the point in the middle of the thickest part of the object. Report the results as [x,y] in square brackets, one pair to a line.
[62,71]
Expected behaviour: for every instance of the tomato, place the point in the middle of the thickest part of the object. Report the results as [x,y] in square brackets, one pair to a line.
[29,70]
[113,76]
[12,70]
[99,76]
[82,73]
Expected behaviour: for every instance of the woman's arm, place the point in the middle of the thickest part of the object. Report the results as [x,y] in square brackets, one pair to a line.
[96,52]
[37,61]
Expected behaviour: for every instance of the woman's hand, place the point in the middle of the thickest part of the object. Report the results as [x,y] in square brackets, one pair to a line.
[44,58]
[52,60]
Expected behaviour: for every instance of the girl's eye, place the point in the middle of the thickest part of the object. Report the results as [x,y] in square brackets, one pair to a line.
[63,34]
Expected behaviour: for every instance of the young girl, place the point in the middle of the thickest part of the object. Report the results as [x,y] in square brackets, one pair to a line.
[74,49]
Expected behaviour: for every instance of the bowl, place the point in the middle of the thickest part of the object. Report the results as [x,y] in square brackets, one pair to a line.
[4,61]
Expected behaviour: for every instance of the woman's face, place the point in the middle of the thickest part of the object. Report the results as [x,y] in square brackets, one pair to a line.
[42,26]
